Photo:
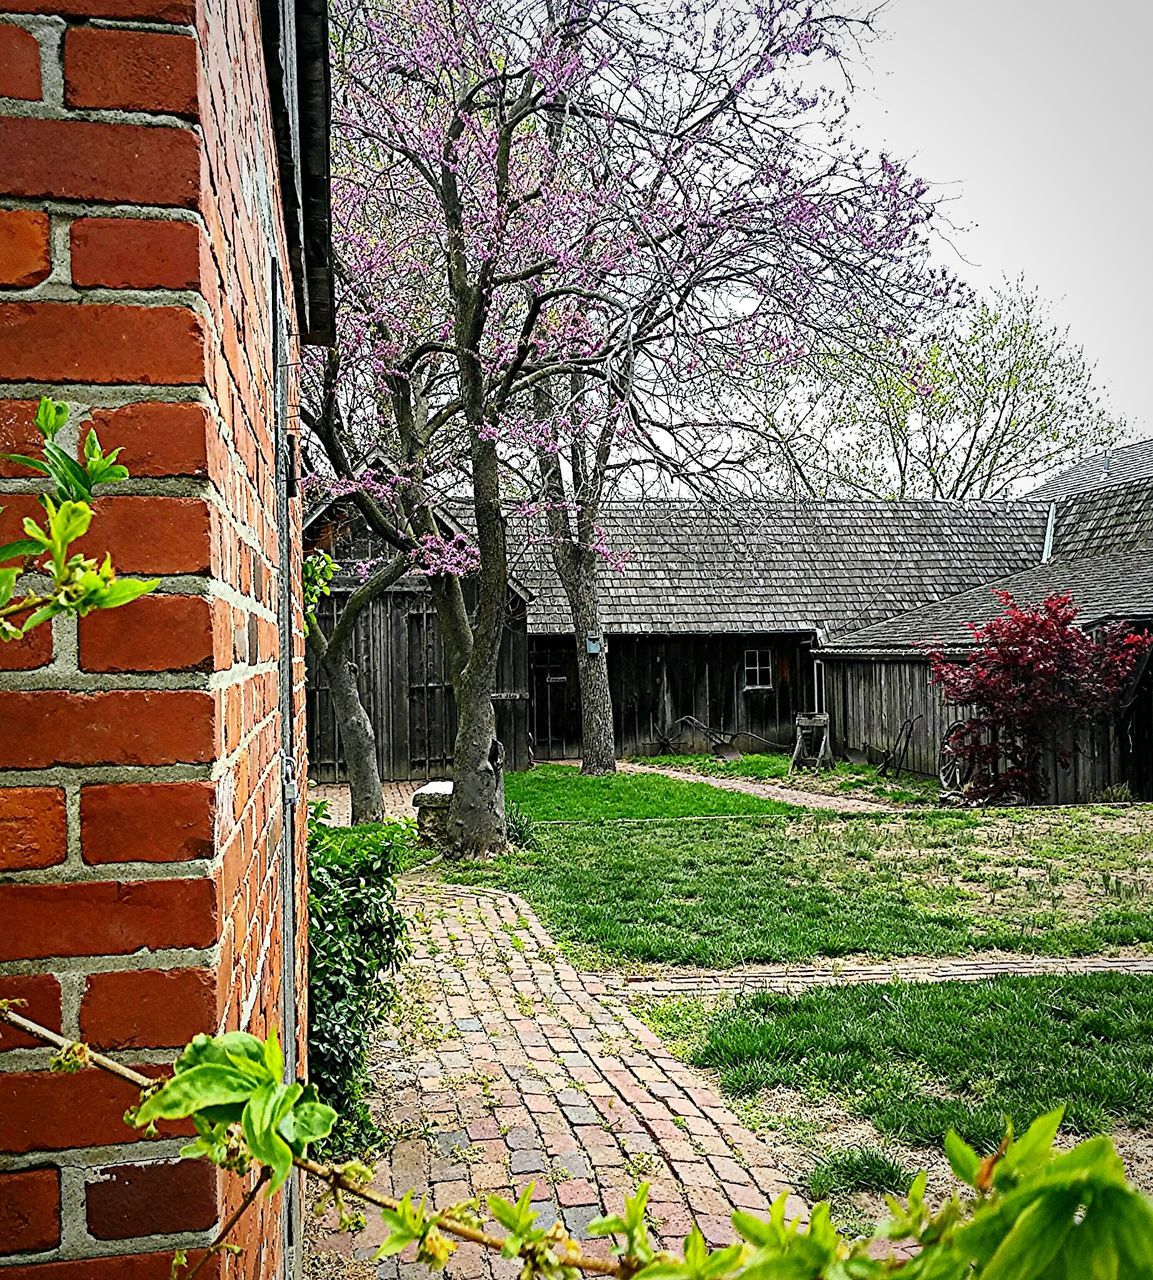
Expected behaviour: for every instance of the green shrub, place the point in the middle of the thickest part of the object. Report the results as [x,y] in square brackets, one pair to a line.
[356,940]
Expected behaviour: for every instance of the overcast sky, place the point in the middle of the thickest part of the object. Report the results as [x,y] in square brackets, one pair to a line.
[1036,115]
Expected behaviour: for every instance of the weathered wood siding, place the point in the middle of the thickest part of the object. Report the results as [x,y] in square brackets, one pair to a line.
[655,680]
[868,700]
[404,683]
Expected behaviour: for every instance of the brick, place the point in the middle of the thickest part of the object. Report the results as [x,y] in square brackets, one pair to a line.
[141,1266]
[66,342]
[159,1198]
[148,10]
[19,63]
[148,535]
[86,160]
[577,1192]
[29,1211]
[25,255]
[33,827]
[41,995]
[93,918]
[157,633]
[147,822]
[135,253]
[130,70]
[147,1008]
[157,439]
[126,726]
[143,535]
[18,433]
[50,1111]
[29,652]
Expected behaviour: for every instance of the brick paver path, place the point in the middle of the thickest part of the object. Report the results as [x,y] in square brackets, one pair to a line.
[788,979]
[397,800]
[512,1067]
[766,790]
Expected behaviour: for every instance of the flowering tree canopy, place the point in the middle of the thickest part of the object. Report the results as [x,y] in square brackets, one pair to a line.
[561,226]
[1033,677]
[613,202]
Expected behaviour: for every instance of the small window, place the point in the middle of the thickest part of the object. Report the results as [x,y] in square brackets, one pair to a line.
[758,668]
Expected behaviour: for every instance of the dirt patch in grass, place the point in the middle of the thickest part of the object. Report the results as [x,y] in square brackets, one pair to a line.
[861,780]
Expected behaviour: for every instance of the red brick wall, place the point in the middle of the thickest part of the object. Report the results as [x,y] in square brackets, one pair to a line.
[141,795]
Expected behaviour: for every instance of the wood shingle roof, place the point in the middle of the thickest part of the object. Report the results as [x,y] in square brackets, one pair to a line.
[1102,555]
[1114,466]
[825,567]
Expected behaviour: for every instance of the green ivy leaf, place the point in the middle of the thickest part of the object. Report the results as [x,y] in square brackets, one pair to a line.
[21,549]
[123,591]
[1034,1240]
[260,1121]
[51,416]
[8,579]
[25,461]
[193,1090]
[963,1160]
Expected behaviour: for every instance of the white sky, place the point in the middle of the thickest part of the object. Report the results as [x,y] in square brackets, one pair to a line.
[1035,115]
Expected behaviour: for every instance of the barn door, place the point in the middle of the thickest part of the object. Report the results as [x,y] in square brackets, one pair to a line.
[431,710]
[555,701]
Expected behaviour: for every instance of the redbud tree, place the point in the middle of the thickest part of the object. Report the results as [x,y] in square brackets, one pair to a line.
[1034,678]
[561,226]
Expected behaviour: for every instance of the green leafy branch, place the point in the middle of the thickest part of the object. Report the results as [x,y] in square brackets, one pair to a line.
[1027,1213]
[233,1085]
[77,584]
[319,570]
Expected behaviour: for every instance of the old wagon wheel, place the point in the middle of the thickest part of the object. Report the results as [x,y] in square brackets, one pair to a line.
[954,767]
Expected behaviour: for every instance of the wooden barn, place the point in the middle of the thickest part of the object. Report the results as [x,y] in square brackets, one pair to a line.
[715,616]
[1099,548]
[401,667]
[712,621]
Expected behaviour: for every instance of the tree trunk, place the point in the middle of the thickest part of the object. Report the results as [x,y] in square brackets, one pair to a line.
[598,742]
[357,738]
[476,820]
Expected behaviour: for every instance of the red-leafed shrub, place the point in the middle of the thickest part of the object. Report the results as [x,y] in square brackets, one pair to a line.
[1033,678]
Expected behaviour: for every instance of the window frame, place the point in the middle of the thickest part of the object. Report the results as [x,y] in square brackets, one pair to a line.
[762,667]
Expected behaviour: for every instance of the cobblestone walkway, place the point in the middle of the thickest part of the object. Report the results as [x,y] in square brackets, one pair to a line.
[512,1067]
[766,790]
[789,979]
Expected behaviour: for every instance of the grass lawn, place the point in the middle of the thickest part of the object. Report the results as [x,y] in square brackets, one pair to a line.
[917,1059]
[749,889]
[560,793]
[842,779]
